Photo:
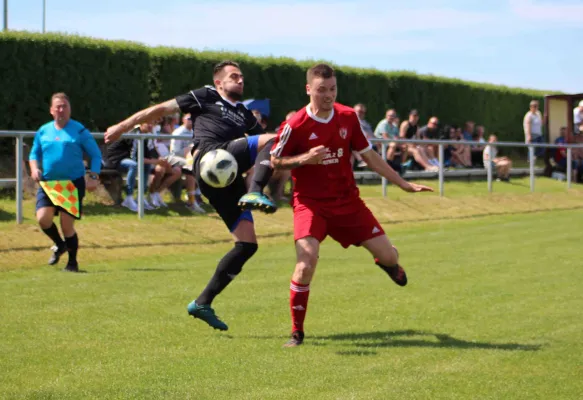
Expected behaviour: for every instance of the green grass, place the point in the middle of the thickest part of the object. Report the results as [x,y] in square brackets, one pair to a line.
[492,310]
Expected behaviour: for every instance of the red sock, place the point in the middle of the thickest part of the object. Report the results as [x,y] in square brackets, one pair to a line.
[298,303]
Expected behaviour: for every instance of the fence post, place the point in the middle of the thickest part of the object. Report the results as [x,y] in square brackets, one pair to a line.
[531,160]
[19,159]
[141,183]
[441,184]
[569,168]
[384,156]
[489,172]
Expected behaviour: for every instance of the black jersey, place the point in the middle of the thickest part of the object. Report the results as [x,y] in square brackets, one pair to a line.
[215,119]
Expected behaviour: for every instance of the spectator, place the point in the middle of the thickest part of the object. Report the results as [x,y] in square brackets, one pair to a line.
[431,132]
[120,156]
[168,169]
[478,149]
[533,125]
[388,128]
[501,164]
[578,117]
[468,133]
[460,155]
[409,130]
[360,111]
[180,151]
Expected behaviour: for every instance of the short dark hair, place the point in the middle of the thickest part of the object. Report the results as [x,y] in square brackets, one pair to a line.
[320,71]
[60,95]
[221,66]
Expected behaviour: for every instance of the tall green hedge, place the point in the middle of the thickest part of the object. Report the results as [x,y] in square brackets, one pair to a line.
[109,80]
[104,79]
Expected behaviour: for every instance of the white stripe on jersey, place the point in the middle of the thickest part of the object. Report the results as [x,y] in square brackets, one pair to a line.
[283,138]
[195,98]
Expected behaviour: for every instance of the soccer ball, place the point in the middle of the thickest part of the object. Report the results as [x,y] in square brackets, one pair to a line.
[218,168]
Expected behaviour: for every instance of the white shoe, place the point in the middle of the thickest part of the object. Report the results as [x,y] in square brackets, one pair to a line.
[195,207]
[130,203]
[154,200]
[148,206]
[159,200]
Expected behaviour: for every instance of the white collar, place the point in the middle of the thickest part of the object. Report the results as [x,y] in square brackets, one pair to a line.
[318,119]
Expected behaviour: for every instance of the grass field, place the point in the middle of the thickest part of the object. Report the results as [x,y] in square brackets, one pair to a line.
[492,310]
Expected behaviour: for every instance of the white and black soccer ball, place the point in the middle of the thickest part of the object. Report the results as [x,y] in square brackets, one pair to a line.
[218,168]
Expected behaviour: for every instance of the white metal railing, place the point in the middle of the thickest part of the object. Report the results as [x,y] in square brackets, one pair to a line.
[20,135]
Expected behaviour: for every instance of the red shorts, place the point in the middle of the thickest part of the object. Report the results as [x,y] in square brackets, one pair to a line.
[354,225]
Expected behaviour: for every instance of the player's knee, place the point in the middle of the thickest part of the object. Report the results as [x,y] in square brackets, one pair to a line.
[44,220]
[245,250]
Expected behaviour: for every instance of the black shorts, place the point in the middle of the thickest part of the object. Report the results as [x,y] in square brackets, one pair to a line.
[225,200]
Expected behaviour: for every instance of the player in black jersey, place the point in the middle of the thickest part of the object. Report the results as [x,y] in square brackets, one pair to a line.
[220,120]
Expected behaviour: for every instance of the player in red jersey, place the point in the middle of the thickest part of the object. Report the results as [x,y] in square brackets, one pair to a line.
[316,144]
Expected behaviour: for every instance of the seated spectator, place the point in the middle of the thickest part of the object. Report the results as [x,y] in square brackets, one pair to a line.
[409,130]
[460,155]
[577,154]
[431,132]
[167,169]
[388,128]
[360,111]
[478,149]
[122,156]
[502,165]
[180,151]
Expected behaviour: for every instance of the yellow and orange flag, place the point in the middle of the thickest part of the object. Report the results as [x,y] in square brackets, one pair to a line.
[63,194]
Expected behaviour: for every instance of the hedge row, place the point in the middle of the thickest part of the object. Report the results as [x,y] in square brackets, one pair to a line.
[108,80]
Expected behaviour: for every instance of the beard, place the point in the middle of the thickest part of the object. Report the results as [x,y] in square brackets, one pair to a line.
[234,95]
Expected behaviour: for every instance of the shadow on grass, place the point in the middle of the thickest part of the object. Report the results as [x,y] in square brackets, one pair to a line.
[98,246]
[7,215]
[171,210]
[367,341]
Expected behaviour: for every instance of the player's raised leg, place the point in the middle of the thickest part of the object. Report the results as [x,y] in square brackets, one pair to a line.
[307,250]
[386,257]
[255,199]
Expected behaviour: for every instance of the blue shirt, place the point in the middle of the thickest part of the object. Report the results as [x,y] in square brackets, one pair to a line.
[59,152]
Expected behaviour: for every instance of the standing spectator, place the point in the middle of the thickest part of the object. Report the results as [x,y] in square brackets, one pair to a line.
[57,155]
[502,165]
[533,125]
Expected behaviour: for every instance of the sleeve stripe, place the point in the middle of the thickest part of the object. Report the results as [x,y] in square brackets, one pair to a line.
[367,148]
[283,138]
[195,98]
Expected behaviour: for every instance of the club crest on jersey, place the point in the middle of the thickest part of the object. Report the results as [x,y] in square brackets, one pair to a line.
[343,133]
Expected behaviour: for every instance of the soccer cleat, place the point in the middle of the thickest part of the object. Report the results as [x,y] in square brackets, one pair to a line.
[297,338]
[71,268]
[57,253]
[195,207]
[257,201]
[396,273]
[207,314]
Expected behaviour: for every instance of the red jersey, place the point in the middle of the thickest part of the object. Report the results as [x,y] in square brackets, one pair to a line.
[331,181]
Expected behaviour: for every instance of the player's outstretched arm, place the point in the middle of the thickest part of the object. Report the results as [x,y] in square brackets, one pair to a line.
[314,156]
[377,164]
[146,115]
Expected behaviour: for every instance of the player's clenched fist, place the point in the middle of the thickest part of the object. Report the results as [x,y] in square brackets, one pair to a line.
[113,133]
[316,155]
